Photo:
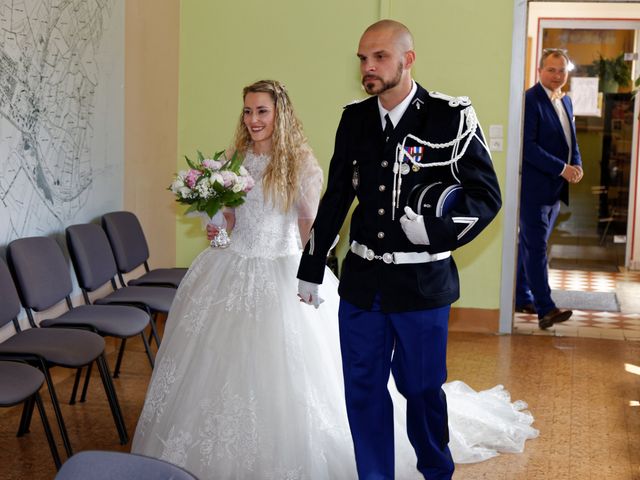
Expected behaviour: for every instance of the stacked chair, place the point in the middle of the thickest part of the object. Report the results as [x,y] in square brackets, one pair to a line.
[43,277]
[130,250]
[100,465]
[37,277]
[95,266]
[21,383]
[53,347]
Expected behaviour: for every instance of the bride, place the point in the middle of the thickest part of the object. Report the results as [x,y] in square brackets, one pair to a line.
[248,381]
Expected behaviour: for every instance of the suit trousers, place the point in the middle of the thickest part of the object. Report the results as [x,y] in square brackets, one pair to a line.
[532,284]
[412,345]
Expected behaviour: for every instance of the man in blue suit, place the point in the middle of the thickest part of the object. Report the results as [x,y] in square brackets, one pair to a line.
[551,160]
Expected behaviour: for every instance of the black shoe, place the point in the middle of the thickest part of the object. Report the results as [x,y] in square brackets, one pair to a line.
[554,316]
[527,308]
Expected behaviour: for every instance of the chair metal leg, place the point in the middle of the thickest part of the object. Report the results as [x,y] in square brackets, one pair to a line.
[76,382]
[148,350]
[58,412]
[116,372]
[154,330]
[47,431]
[85,387]
[25,419]
[113,399]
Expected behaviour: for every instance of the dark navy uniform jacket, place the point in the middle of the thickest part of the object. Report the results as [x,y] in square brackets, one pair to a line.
[362,167]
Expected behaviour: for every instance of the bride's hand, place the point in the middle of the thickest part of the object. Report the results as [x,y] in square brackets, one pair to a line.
[212,231]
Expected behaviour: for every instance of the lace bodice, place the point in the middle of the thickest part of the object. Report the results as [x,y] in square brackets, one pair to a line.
[262,229]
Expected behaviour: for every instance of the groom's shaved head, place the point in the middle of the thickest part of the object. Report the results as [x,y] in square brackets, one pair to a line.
[399,33]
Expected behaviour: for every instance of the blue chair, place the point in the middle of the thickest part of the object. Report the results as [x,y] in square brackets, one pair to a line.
[100,465]
[95,267]
[54,347]
[21,383]
[131,250]
[42,275]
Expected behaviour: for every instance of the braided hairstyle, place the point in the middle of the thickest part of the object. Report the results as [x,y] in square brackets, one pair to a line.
[289,147]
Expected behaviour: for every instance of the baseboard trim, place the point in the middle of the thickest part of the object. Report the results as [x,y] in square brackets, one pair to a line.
[479,320]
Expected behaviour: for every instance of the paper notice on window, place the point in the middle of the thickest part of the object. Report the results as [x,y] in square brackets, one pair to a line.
[585,97]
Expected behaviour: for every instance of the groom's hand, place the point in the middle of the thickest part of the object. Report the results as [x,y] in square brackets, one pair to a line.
[308,293]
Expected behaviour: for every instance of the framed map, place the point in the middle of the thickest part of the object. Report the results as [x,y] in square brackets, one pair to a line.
[61,113]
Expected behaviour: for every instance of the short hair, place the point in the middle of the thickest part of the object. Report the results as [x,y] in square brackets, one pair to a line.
[400,31]
[553,52]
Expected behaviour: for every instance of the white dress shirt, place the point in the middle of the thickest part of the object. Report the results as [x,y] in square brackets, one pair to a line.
[564,120]
[395,114]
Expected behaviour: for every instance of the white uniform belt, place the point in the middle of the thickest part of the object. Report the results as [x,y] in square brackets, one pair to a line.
[397,257]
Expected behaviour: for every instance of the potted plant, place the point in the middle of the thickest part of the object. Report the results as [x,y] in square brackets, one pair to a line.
[613,73]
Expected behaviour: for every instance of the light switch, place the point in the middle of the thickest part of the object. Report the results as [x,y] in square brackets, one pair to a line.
[496,131]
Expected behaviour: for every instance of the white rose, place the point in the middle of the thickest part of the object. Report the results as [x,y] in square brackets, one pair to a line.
[243,171]
[216,178]
[177,185]
[185,192]
[237,187]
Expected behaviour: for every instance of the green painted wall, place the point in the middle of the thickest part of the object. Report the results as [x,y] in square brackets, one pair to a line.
[462,48]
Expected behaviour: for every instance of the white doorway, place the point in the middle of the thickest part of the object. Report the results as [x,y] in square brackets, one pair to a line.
[549,18]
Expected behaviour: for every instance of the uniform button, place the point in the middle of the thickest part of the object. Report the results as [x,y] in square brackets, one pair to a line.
[384,164]
[381,211]
[382,188]
[380,235]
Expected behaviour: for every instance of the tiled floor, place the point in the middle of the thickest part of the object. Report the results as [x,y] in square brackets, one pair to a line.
[623,325]
[583,394]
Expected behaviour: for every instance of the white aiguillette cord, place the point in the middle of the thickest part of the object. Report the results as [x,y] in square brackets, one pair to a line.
[468,118]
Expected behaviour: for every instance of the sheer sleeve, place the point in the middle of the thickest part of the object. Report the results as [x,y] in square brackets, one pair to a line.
[309,188]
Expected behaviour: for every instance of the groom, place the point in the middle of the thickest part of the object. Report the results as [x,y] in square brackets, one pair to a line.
[399,279]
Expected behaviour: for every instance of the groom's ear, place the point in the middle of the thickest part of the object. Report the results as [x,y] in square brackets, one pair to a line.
[409,59]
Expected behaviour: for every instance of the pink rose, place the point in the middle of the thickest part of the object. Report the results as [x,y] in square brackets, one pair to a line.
[249,183]
[192,177]
[229,178]
[211,164]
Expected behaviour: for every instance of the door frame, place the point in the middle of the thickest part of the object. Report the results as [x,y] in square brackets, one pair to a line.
[514,160]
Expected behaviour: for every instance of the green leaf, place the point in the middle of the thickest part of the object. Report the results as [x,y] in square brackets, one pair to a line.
[190,163]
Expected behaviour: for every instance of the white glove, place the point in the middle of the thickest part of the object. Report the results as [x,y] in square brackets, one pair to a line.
[413,226]
[308,293]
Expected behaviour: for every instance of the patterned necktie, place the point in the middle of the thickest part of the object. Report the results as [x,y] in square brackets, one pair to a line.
[557,95]
[388,127]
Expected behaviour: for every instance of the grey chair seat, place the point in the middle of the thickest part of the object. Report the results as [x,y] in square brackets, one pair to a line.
[19,381]
[159,299]
[60,346]
[169,276]
[113,320]
[100,465]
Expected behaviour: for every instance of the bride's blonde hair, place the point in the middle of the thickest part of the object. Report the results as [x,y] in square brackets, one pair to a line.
[289,146]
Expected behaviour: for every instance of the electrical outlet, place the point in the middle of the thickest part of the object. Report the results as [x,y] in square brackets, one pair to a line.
[495,144]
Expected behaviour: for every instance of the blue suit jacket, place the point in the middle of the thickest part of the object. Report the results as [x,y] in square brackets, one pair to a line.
[545,150]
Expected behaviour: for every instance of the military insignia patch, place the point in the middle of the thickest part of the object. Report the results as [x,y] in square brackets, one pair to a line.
[415,153]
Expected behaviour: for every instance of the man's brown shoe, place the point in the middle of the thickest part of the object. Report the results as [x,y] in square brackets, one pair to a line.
[554,316]
[527,308]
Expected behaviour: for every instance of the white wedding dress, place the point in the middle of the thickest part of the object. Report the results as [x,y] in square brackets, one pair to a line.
[248,380]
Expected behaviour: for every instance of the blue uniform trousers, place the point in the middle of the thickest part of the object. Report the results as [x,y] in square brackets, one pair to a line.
[413,346]
[532,284]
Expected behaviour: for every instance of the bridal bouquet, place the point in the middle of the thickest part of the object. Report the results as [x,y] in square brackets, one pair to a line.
[211,184]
